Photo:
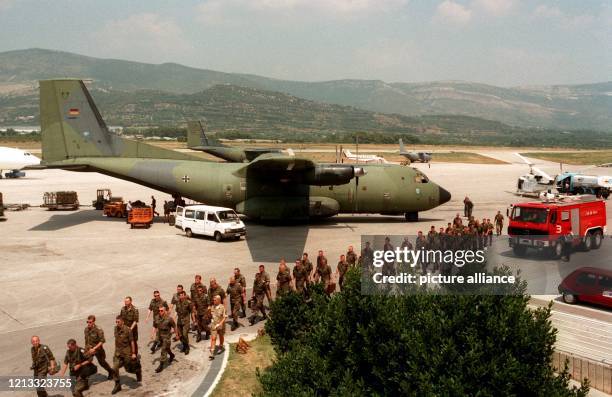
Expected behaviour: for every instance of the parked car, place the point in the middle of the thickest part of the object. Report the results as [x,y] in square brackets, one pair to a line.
[205,220]
[588,284]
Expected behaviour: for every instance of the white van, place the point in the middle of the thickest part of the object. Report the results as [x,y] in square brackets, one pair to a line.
[205,220]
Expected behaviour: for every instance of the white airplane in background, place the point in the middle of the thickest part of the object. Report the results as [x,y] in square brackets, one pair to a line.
[364,158]
[14,160]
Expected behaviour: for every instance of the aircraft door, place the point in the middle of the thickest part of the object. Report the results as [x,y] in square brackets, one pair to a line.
[228,194]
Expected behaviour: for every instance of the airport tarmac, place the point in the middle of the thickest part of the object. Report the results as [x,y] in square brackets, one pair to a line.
[58,267]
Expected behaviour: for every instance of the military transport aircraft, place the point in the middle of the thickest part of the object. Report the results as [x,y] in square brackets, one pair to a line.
[271,187]
[423,157]
[197,140]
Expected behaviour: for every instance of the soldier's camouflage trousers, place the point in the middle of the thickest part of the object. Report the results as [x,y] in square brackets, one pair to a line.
[165,349]
[41,392]
[259,304]
[183,328]
[235,306]
[81,385]
[203,323]
[101,356]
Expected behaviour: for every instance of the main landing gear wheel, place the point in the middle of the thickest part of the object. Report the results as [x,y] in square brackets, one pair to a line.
[412,216]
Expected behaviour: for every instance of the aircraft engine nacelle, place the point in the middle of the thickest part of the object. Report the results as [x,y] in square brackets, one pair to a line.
[333,174]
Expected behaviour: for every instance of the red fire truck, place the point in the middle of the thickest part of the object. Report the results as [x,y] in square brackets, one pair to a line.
[544,225]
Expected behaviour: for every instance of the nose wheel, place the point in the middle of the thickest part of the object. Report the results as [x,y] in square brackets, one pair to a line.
[411,216]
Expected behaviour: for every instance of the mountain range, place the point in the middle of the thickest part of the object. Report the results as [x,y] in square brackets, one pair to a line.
[568,107]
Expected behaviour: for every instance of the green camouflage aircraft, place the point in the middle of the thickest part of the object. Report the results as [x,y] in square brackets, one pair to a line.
[197,140]
[271,187]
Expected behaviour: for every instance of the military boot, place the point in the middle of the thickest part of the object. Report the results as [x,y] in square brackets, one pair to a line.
[117,388]
[198,336]
[110,374]
[139,376]
[171,357]
[207,336]
[186,351]
[160,367]
[154,347]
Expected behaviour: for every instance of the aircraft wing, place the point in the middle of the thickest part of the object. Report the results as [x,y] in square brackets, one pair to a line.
[282,168]
[275,164]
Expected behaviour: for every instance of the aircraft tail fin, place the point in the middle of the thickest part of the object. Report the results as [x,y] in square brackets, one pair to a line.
[196,134]
[72,127]
[402,149]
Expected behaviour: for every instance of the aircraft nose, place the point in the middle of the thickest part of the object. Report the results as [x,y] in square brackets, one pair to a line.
[445,195]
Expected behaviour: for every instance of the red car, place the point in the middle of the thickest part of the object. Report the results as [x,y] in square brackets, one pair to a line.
[588,284]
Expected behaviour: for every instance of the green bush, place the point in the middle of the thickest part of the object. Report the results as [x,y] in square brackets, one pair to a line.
[416,345]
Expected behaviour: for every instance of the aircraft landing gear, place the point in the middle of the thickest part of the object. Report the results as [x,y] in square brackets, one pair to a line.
[411,216]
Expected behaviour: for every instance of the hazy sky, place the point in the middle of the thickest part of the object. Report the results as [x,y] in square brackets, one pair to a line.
[502,42]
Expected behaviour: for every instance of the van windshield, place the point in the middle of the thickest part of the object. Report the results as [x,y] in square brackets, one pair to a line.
[526,214]
[225,216]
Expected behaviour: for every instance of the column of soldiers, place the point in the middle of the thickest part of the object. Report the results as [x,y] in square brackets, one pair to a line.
[204,307]
[79,360]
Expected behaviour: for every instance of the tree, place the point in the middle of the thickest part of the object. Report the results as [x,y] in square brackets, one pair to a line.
[412,345]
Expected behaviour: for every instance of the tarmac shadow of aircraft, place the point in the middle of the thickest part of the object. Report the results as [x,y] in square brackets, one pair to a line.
[65,220]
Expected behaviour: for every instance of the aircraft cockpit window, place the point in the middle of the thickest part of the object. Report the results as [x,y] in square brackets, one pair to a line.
[419,177]
[27,154]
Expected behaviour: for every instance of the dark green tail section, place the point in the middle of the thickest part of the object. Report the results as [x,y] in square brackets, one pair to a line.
[196,136]
[72,127]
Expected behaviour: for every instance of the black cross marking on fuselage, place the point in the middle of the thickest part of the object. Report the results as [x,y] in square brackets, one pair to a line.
[186,179]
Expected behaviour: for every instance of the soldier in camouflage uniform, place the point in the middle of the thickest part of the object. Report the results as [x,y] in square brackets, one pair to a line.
[125,352]
[175,297]
[421,244]
[351,257]
[240,279]
[201,304]
[260,286]
[300,277]
[129,314]
[343,267]
[194,286]
[307,264]
[283,279]
[94,344]
[323,271]
[234,291]
[81,367]
[184,309]
[174,301]
[43,362]
[154,305]
[165,325]
[215,289]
